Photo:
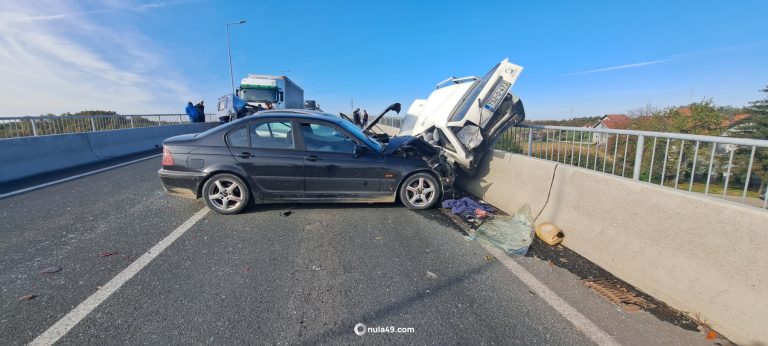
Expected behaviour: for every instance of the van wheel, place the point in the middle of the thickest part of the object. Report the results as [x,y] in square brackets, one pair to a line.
[226,194]
[420,191]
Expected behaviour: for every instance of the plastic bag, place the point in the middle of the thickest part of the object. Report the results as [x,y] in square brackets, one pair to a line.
[513,234]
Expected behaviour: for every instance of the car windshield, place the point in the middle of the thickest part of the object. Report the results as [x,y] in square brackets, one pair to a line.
[258,95]
[357,132]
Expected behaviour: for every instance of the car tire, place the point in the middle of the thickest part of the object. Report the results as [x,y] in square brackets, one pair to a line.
[420,191]
[226,194]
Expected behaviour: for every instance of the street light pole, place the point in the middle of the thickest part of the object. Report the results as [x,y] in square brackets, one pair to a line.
[229,54]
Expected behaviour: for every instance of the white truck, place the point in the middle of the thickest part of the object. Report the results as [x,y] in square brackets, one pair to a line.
[283,93]
[254,93]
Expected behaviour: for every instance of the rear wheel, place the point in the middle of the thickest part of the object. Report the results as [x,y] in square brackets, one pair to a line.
[420,191]
[226,194]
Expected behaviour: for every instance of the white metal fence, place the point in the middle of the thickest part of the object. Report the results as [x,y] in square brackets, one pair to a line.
[12,127]
[725,167]
[391,121]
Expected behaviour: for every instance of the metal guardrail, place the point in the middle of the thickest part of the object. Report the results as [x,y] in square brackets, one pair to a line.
[13,127]
[702,164]
[391,121]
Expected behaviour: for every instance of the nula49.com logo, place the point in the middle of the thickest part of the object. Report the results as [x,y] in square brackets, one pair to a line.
[361,329]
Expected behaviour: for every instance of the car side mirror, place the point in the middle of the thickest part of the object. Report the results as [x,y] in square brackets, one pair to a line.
[360,150]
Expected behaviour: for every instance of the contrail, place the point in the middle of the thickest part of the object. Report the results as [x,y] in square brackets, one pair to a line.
[621,67]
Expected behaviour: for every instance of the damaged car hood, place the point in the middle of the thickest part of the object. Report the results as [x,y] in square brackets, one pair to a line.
[398,142]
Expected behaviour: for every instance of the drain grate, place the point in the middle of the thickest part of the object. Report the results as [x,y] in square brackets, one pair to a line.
[618,295]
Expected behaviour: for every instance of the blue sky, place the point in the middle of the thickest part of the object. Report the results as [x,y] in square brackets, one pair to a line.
[580,58]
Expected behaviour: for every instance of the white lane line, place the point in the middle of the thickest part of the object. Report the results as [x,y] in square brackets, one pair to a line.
[66,323]
[578,320]
[31,188]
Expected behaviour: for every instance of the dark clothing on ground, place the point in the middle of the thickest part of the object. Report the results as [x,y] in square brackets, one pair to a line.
[465,204]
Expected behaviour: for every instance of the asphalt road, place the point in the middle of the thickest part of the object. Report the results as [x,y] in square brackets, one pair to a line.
[264,277]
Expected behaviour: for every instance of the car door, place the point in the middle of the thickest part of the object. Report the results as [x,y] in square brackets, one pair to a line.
[268,151]
[331,169]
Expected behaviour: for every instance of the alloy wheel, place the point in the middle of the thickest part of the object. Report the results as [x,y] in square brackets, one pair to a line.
[420,192]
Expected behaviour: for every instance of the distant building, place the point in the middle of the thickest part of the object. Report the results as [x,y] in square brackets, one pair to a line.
[609,121]
[732,125]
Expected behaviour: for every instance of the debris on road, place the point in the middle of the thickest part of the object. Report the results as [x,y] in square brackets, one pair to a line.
[107,254]
[51,270]
[431,275]
[287,213]
[549,233]
[490,258]
[513,234]
[28,297]
[315,268]
[618,295]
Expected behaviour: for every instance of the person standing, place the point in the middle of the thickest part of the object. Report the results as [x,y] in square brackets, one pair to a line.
[356,117]
[200,107]
[365,118]
[191,112]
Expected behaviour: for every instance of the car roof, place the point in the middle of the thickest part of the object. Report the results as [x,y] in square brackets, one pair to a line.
[295,113]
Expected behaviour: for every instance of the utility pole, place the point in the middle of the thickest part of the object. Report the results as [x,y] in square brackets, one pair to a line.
[229,54]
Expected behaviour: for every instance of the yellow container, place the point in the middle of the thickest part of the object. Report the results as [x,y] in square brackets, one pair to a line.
[549,233]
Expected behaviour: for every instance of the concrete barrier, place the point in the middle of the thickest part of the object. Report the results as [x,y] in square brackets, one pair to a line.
[27,156]
[508,188]
[111,144]
[698,254]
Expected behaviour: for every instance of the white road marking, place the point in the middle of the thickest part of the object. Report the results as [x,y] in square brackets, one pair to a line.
[66,323]
[578,320]
[31,188]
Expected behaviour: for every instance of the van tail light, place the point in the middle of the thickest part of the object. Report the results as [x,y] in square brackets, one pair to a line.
[167,157]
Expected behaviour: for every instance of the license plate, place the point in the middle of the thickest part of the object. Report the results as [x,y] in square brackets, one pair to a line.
[497,96]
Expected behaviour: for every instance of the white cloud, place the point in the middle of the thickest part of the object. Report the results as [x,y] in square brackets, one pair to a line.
[62,60]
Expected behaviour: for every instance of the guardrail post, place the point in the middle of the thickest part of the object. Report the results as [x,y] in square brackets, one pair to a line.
[34,128]
[530,141]
[638,157]
[93,125]
[130,117]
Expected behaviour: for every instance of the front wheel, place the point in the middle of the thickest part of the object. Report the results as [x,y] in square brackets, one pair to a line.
[420,191]
[226,194]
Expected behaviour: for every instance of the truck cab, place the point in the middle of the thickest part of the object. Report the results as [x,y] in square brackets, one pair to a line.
[257,90]
[254,93]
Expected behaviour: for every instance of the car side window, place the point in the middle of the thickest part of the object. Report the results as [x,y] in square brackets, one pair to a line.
[272,135]
[238,137]
[325,138]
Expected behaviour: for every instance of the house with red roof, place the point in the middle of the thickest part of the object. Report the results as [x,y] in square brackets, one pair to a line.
[609,121]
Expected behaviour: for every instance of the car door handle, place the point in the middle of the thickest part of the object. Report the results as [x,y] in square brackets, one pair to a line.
[312,158]
[245,155]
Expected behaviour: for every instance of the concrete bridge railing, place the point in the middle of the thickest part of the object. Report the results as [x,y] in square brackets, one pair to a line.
[701,255]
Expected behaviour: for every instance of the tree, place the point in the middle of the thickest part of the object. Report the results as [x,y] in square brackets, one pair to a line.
[756,126]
